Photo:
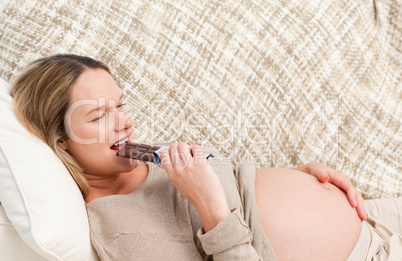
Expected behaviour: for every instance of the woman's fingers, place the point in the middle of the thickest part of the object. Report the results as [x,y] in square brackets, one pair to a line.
[356,200]
[340,181]
[166,161]
[361,210]
[324,177]
[328,174]
[198,154]
[176,158]
[174,155]
[354,197]
[185,154]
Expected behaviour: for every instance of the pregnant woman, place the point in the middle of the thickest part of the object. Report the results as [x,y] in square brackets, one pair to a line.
[191,208]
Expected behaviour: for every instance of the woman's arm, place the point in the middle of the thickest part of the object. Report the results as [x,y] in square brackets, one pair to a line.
[325,173]
[197,181]
[224,233]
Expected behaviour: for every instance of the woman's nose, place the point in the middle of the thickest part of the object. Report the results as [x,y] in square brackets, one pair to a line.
[123,121]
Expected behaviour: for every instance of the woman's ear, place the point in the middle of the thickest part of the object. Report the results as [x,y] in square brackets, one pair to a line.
[63,144]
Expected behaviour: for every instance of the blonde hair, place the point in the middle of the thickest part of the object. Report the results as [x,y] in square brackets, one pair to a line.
[42,95]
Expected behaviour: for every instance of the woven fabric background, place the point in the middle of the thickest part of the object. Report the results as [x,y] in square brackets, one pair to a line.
[280,82]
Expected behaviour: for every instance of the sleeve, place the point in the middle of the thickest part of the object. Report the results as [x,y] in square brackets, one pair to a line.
[229,240]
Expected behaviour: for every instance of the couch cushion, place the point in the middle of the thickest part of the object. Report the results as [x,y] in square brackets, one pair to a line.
[282,82]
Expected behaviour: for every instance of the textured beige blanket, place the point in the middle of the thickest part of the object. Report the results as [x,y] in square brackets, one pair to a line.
[281,82]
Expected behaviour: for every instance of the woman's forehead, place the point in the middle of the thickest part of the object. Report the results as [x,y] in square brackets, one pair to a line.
[95,84]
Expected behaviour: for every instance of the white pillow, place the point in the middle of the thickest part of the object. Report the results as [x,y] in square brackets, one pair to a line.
[3,4]
[37,192]
[11,245]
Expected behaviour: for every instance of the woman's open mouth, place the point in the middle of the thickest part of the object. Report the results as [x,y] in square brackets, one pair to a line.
[118,145]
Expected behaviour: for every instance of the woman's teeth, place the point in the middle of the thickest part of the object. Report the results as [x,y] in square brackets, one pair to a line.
[120,142]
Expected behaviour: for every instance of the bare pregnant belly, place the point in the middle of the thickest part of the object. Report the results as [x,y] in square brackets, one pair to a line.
[303,218]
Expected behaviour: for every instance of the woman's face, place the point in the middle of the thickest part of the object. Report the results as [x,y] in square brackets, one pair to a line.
[95,121]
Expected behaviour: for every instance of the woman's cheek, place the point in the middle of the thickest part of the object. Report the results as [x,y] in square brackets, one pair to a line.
[88,134]
[100,133]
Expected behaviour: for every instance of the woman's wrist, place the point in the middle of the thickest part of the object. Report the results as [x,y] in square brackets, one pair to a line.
[210,217]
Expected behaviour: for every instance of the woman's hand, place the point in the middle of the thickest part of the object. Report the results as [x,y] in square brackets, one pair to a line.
[325,173]
[197,181]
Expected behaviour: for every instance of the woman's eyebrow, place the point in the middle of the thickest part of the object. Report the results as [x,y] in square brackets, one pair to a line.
[95,109]
[101,107]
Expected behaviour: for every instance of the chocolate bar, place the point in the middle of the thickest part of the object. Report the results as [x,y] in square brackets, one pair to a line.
[144,152]
[138,151]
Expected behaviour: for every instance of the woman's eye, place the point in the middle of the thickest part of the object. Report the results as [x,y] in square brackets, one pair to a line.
[120,105]
[97,119]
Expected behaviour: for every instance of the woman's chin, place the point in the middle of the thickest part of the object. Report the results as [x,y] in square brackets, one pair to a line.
[128,164]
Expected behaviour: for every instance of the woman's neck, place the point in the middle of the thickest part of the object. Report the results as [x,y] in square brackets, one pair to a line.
[119,184]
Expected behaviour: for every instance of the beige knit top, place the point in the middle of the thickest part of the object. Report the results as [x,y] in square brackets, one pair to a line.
[155,222]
